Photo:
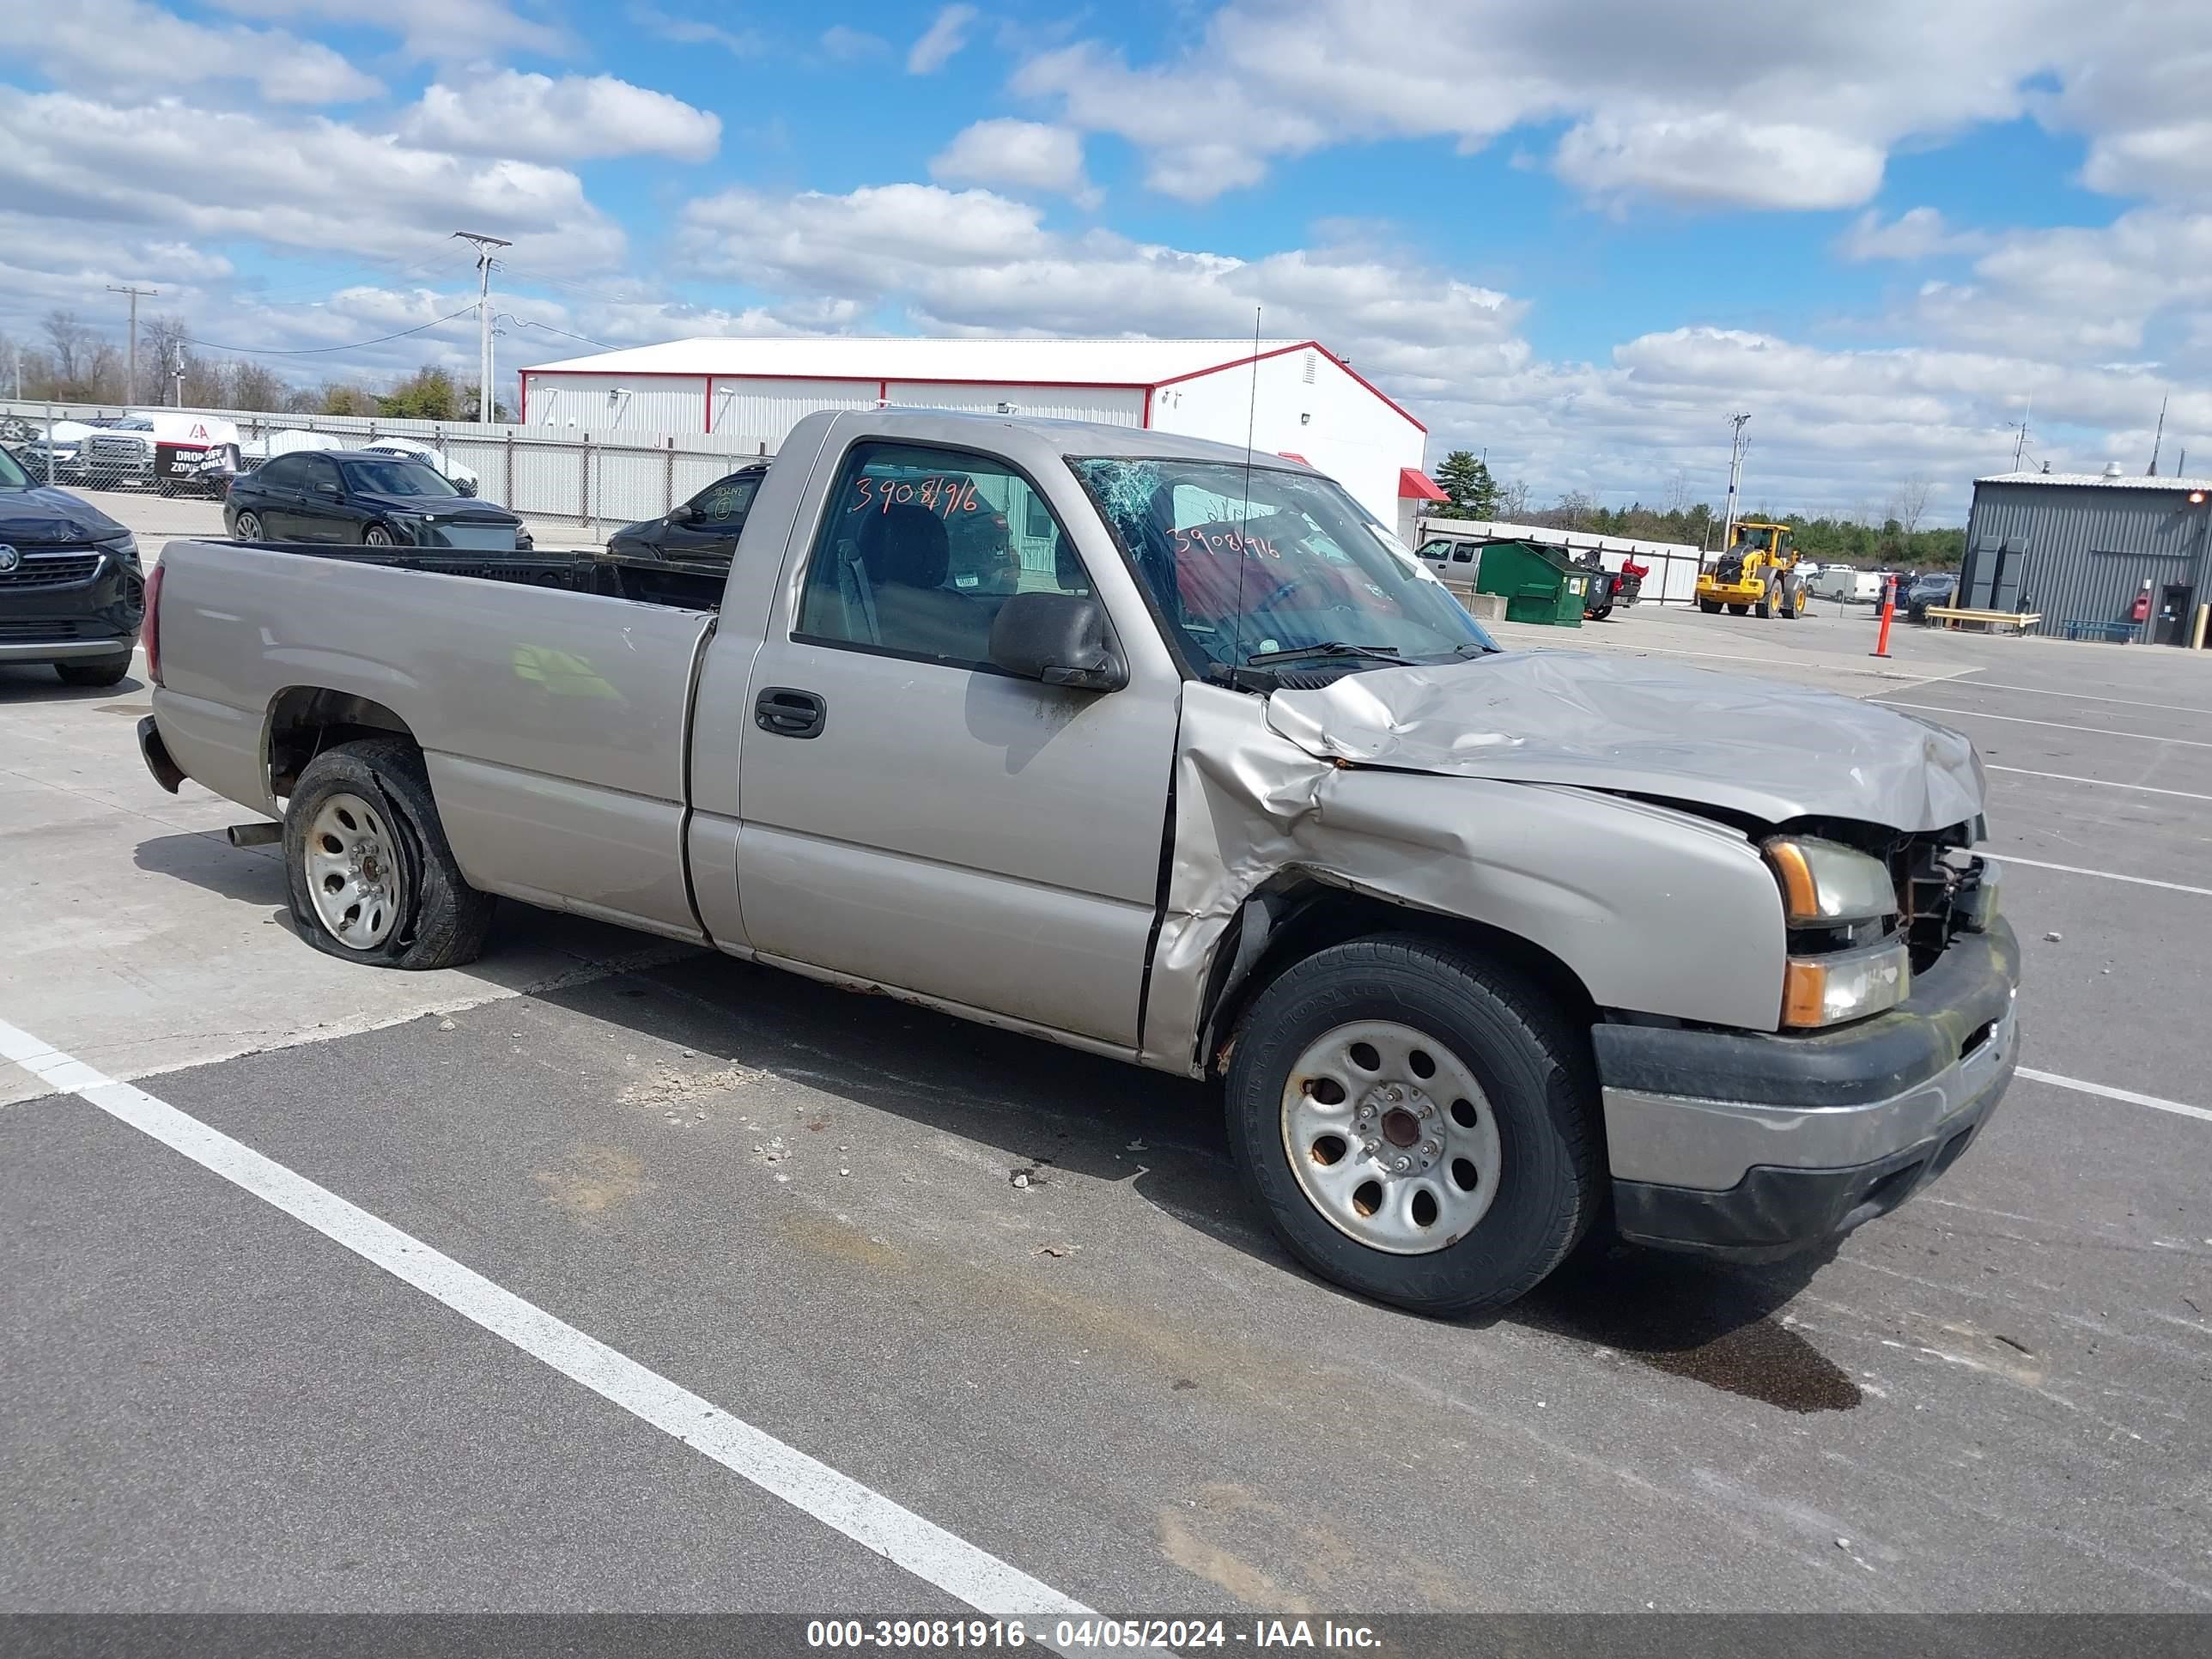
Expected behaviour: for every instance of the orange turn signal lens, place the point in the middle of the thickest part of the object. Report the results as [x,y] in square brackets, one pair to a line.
[1798,891]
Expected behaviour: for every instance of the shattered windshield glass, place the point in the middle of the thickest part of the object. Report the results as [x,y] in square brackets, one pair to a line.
[1250,564]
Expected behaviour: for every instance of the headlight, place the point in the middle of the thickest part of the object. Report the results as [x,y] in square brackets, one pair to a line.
[1825,882]
[1819,991]
[124,547]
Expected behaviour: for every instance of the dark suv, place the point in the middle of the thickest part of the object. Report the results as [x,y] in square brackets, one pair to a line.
[71,593]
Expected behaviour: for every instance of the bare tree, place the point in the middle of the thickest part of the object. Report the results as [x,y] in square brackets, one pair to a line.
[1574,510]
[163,339]
[253,387]
[1911,502]
[1513,501]
[72,344]
[1676,497]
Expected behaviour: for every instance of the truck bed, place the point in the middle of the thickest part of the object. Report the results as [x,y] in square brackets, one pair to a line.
[693,585]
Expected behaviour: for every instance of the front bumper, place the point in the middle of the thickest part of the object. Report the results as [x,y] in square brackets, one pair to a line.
[1756,1147]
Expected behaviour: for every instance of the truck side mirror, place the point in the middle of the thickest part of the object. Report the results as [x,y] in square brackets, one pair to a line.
[1059,639]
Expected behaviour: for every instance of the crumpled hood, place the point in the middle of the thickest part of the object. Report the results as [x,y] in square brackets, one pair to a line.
[31,517]
[1629,725]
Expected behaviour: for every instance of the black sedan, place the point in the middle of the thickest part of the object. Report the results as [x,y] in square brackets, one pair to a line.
[704,528]
[359,497]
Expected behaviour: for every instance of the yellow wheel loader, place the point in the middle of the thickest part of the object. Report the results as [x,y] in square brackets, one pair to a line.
[1758,571]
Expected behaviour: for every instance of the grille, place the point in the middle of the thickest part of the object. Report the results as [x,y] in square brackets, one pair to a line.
[51,569]
[41,630]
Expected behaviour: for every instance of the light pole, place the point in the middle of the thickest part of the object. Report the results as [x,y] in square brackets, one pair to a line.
[1736,475]
[137,295]
[484,245]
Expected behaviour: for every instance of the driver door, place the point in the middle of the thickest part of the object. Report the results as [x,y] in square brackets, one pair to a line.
[915,816]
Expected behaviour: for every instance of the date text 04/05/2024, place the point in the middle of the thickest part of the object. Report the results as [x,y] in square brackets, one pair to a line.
[1069,1634]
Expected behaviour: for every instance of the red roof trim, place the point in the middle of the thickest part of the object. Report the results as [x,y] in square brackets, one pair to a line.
[1415,485]
[1304,345]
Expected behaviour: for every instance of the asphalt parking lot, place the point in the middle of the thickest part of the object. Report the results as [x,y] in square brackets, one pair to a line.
[1012,1290]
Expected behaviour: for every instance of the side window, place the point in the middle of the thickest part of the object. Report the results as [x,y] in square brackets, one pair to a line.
[317,472]
[919,547]
[727,501]
[284,472]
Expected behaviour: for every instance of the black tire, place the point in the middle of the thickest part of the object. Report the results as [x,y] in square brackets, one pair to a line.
[442,920]
[1532,1065]
[1600,613]
[1793,599]
[248,528]
[1765,601]
[1739,611]
[108,671]
[1711,607]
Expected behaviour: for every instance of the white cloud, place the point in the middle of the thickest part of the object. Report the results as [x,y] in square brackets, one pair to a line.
[847,45]
[1024,155]
[536,118]
[440,31]
[1917,234]
[694,31]
[128,46]
[941,41]
[1718,156]
[1833,428]
[316,185]
[1774,107]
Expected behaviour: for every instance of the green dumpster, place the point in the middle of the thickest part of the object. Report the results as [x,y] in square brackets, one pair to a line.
[1539,584]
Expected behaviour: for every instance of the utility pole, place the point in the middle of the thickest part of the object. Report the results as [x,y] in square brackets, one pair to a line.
[484,245]
[137,295]
[1735,475]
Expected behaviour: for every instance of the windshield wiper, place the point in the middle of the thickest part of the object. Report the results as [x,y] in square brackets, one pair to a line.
[1326,648]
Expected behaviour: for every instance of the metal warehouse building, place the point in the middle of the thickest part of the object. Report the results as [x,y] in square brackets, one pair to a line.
[2080,547]
[1301,400]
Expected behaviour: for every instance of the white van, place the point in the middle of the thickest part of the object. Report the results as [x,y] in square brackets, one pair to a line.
[1841,582]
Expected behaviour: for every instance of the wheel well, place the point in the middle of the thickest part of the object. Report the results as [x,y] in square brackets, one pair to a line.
[1309,916]
[306,720]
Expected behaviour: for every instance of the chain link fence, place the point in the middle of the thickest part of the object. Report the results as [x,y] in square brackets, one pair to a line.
[562,476]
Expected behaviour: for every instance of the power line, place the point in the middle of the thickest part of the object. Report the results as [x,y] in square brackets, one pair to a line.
[508,316]
[316,351]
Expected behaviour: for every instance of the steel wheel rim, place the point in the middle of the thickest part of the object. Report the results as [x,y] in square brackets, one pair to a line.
[353,871]
[1346,1129]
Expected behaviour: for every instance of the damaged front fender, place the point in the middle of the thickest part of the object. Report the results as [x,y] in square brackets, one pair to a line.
[1653,910]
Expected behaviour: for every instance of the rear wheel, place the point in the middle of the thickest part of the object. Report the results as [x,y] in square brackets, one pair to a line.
[366,867]
[1416,1123]
[108,671]
[249,527]
[1600,613]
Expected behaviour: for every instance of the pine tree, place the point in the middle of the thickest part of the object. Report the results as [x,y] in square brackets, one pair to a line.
[1467,482]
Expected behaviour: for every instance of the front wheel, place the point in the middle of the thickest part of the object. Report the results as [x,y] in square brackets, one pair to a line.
[1711,607]
[1416,1123]
[378,535]
[367,868]
[1739,611]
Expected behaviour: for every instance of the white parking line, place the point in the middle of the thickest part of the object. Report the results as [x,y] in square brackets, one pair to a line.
[2102,783]
[2084,696]
[838,1501]
[2106,875]
[2017,720]
[2111,1093]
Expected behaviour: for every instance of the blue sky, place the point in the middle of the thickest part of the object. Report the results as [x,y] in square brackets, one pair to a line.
[1577,237]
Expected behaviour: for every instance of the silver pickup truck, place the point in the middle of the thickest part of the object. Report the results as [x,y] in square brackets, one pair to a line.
[1161,750]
